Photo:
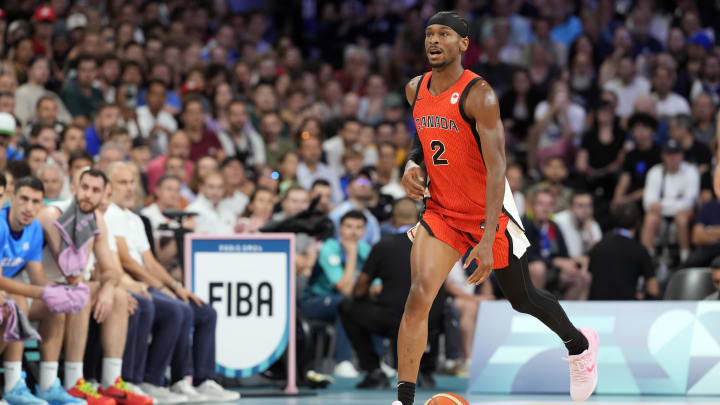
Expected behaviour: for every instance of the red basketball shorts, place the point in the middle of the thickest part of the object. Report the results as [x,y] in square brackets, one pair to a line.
[439,227]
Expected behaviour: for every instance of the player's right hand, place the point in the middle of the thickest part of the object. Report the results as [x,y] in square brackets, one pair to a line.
[413,182]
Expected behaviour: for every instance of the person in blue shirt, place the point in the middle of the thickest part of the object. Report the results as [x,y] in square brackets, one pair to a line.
[21,244]
[338,264]
[360,194]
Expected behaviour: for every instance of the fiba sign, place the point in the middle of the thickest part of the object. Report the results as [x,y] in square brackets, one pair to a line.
[250,282]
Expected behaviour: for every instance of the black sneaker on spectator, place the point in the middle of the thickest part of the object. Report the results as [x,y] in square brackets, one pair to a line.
[374,380]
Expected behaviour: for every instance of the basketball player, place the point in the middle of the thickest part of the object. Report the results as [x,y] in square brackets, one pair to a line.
[461,143]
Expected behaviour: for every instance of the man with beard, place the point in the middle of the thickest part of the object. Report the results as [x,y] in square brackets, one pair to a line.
[21,239]
[241,140]
[360,193]
[76,235]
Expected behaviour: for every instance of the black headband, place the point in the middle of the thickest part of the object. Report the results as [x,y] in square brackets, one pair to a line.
[448,20]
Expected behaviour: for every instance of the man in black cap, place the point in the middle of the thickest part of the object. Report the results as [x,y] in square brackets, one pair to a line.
[671,190]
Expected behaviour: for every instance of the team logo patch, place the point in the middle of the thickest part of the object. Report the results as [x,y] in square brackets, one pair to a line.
[454,98]
[26,246]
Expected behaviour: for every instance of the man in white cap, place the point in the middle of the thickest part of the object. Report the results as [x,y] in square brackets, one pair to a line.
[8,129]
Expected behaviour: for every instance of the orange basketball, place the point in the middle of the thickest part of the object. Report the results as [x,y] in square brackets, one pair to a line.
[447,398]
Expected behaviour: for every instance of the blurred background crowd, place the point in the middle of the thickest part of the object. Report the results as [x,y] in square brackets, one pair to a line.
[276,116]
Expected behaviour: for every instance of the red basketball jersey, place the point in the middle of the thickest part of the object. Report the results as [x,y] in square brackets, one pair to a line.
[453,154]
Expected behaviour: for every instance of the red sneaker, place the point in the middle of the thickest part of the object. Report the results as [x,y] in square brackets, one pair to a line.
[84,390]
[123,395]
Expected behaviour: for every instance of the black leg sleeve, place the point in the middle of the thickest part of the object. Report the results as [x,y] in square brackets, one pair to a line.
[517,286]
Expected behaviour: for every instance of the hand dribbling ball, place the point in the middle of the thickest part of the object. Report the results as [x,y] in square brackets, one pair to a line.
[447,398]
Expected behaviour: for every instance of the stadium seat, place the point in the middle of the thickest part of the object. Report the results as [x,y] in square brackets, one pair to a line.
[690,284]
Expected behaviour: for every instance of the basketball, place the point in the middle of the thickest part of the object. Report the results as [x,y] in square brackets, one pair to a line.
[447,398]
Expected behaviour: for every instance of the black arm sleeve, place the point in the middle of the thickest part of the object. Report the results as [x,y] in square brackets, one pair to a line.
[416,152]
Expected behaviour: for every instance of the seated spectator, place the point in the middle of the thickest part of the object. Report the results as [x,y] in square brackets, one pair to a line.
[708,82]
[295,201]
[705,235]
[638,161]
[46,113]
[516,107]
[53,180]
[79,95]
[204,165]
[153,122]
[178,145]
[46,137]
[670,192]
[694,151]
[36,156]
[618,261]
[236,183]
[377,308]
[140,154]
[257,212]
[167,197]
[271,129]
[72,140]
[558,122]
[29,93]
[549,263]
[601,154]
[321,189]
[121,137]
[352,162]
[212,217]
[628,85]
[203,141]
[669,103]
[716,280]
[311,168]
[241,139]
[8,130]
[555,173]
[109,154]
[107,117]
[194,346]
[388,173]
[337,146]
[287,167]
[339,261]
[7,103]
[703,112]
[360,196]
[578,226]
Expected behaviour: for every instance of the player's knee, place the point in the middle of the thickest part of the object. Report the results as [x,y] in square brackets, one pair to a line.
[419,300]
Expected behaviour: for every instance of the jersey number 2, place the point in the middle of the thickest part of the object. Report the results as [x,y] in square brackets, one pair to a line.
[438,148]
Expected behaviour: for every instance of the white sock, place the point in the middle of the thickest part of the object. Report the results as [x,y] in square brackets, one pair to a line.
[111,370]
[13,372]
[73,372]
[48,374]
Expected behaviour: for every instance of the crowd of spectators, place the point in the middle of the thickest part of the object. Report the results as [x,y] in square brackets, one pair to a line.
[249,113]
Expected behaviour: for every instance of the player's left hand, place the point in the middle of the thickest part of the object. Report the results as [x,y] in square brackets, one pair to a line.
[482,253]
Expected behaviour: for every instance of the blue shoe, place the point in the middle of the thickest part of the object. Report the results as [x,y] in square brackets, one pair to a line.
[56,395]
[21,395]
